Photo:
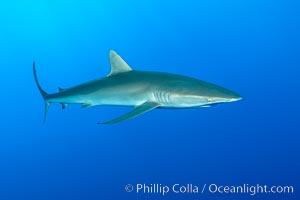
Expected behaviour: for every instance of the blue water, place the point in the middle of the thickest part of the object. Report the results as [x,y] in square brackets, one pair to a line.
[251,47]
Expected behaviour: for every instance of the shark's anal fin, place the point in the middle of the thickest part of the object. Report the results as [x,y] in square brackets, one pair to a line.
[138,110]
[86,105]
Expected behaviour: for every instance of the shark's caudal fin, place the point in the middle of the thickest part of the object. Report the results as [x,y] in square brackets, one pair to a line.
[43,93]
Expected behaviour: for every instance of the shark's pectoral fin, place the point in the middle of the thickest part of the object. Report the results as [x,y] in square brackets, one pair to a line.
[138,110]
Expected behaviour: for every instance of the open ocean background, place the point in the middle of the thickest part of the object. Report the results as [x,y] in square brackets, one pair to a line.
[251,47]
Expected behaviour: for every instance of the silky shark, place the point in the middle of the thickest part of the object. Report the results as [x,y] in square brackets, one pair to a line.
[144,90]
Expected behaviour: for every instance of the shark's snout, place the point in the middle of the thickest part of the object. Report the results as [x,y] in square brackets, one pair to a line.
[236,98]
[226,95]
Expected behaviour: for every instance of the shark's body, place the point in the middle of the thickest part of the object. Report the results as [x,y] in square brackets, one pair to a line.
[143,90]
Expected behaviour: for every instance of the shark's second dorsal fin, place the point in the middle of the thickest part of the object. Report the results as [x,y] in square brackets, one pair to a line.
[60,89]
[117,64]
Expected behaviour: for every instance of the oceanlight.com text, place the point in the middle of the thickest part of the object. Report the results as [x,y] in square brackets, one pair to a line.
[176,188]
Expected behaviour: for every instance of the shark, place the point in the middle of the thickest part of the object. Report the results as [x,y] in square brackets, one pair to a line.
[143,90]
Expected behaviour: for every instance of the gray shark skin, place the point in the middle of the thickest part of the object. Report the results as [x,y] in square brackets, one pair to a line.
[124,86]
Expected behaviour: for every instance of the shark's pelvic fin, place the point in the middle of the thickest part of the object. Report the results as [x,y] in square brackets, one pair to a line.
[117,64]
[64,105]
[138,110]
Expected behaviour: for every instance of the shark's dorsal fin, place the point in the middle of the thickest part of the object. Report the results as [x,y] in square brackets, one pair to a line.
[117,64]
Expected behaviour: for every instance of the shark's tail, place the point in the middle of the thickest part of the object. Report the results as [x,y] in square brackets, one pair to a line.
[43,93]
